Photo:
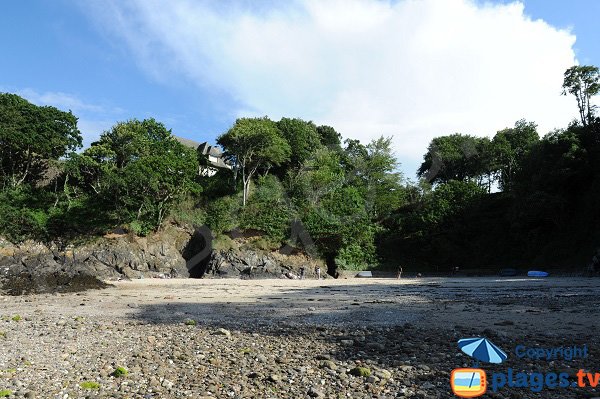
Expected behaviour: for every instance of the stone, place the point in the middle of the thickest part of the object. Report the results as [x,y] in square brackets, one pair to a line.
[222,331]
[314,392]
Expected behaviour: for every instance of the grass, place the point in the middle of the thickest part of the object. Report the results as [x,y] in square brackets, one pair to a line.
[16,318]
[5,393]
[91,385]
[120,371]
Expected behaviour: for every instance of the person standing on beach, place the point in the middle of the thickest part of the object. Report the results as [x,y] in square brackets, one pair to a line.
[302,273]
[399,273]
[318,272]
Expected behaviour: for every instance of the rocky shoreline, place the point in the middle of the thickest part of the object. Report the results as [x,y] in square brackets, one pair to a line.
[283,339]
[33,267]
[46,357]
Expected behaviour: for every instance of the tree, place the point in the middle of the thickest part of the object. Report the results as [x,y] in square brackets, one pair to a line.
[302,137]
[510,146]
[139,170]
[30,136]
[374,170]
[583,81]
[456,157]
[253,144]
[329,137]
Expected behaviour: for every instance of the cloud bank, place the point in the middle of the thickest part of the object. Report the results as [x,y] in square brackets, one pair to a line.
[414,69]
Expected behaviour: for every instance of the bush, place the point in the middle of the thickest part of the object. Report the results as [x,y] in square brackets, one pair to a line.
[91,385]
[189,215]
[223,243]
[221,214]
[267,210]
[120,371]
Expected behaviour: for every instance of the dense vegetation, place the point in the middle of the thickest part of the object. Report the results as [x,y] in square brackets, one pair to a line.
[513,200]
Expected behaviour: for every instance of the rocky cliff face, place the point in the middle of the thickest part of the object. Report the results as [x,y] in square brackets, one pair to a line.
[248,263]
[33,267]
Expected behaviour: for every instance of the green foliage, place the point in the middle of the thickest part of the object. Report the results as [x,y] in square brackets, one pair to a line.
[451,198]
[302,138]
[24,213]
[189,215]
[456,157]
[120,371]
[5,393]
[267,209]
[16,318]
[254,144]
[510,146]
[329,137]
[223,243]
[320,175]
[138,172]
[190,322]
[221,214]
[374,170]
[583,81]
[90,385]
[30,137]
[355,257]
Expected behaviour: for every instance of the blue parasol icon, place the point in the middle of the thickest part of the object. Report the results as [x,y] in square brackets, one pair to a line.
[482,350]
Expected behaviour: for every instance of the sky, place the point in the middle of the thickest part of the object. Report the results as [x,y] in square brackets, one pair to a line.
[411,69]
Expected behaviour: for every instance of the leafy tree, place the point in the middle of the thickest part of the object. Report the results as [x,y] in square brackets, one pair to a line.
[510,146]
[137,169]
[583,81]
[320,175]
[302,137]
[456,157]
[30,136]
[329,137]
[254,144]
[449,199]
[268,210]
[374,170]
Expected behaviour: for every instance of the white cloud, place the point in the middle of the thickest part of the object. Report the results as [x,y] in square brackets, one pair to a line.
[408,68]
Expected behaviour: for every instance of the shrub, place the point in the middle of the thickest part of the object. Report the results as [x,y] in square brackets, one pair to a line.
[120,371]
[267,209]
[16,318]
[91,385]
[223,243]
[221,214]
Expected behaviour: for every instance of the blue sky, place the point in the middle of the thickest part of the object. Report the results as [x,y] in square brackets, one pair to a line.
[409,69]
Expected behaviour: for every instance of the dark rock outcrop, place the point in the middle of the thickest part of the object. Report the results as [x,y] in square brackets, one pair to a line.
[248,263]
[33,267]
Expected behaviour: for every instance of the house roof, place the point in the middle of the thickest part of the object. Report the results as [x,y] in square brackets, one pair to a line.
[187,142]
[207,149]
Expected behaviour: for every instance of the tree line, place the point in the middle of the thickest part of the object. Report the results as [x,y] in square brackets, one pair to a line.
[511,200]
